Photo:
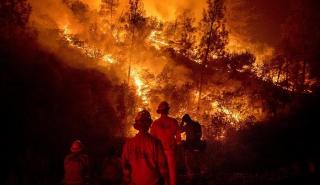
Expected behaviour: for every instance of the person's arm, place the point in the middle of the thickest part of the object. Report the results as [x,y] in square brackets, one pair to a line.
[198,131]
[182,127]
[125,165]
[178,133]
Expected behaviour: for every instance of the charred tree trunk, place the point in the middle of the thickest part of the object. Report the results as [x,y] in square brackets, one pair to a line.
[287,73]
[279,72]
[302,85]
[204,64]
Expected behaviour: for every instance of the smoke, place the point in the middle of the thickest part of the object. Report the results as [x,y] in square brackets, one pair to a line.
[242,22]
[50,14]
[168,10]
[93,4]
[76,32]
[242,18]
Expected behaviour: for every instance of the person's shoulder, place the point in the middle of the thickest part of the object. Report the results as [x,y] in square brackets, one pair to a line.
[155,123]
[172,119]
[77,156]
[156,120]
[84,156]
[68,157]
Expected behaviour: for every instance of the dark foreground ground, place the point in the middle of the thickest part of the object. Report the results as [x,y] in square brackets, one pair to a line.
[38,167]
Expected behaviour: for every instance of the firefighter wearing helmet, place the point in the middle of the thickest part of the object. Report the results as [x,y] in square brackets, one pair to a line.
[76,165]
[194,155]
[166,129]
[143,159]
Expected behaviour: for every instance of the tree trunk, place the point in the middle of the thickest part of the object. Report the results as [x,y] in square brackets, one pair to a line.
[279,72]
[302,85]
[204,64]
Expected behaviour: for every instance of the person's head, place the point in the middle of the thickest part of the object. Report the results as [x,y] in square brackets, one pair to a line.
[186,118]
[142,121]
[76,146]
[163,108]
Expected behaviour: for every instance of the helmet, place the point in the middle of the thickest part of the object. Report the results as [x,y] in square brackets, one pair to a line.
[163,106]
[186,118]
[76,146]
[142,120]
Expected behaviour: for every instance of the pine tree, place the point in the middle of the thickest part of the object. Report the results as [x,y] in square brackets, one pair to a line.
[185,34]
[134,23]
[213,36]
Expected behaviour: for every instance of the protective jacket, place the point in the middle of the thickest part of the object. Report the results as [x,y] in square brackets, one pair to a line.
[76,166]
[193,131]
[143,161]
[166,129]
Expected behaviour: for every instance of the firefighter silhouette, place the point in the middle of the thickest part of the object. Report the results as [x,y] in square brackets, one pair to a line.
[143,158]
[76,165]
[166,129]
[193,151]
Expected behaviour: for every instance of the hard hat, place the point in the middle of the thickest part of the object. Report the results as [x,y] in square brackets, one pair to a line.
[76,146]
[163,106]
[142,120]
[186,118]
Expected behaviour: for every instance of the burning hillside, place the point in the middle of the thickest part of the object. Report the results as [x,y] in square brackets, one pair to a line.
[247,71]
[194,61]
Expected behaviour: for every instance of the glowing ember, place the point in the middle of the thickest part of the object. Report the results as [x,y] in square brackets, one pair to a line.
[108,45]
[141,87]
[91,52]
[157,40]
[66,34]
[108,58]
[234,116]
[118,35]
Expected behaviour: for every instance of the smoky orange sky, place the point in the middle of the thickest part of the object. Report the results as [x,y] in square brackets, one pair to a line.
[253,21]
[253,25]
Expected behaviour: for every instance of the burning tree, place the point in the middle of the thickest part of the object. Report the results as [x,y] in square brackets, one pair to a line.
[182,34]
[134,22]
[213,36]
[149,60]
[108,8]
[82,77]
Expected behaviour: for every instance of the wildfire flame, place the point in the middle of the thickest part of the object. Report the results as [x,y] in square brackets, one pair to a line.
[108,58]
[233,115]
[90,51]
[156,39]
[111,47]
[141,88]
